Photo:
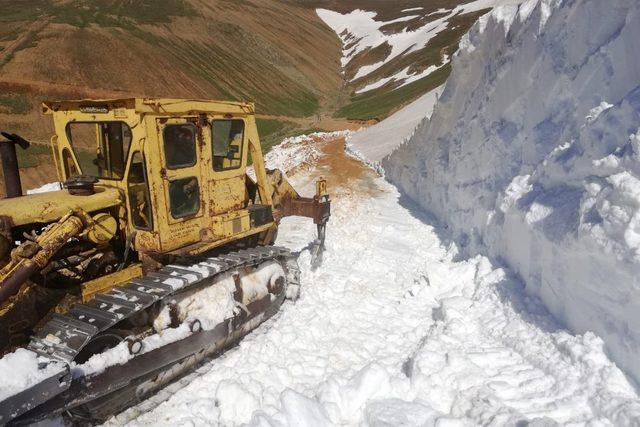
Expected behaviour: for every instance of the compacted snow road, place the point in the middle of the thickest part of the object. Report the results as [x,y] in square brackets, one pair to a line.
[394,329]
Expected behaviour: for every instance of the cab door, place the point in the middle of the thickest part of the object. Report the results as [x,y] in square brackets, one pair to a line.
[182,181]
[227,187]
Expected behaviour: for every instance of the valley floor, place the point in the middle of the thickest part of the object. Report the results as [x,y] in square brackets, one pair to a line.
[395,329]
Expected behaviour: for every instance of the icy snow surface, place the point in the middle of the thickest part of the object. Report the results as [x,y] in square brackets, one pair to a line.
[373,143]
[532,155]
[394,329]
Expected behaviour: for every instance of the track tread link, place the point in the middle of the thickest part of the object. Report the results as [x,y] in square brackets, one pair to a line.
[64,336]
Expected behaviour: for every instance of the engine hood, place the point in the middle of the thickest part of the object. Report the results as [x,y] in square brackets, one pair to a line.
[51,206]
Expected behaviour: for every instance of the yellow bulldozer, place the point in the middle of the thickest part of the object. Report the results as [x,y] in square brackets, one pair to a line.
[156,253]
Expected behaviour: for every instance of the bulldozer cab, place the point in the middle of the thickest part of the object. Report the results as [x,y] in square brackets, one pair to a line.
[180,165]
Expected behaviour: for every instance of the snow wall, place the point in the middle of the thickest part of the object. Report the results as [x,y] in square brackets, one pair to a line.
[532,156]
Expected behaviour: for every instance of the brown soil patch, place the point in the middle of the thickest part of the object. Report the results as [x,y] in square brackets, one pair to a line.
[344,174]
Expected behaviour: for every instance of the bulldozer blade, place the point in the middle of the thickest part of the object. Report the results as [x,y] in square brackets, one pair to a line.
[317,248]
[317,252]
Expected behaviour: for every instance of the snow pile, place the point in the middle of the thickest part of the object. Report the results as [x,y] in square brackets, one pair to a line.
[373,143]
[51,186]
[20,370]
[533,156]
[211,305]
[359,32]
[120,354]
[256,283]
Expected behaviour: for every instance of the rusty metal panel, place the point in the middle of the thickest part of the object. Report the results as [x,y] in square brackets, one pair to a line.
[318,209]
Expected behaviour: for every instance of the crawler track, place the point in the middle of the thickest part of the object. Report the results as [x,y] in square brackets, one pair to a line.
[64,336]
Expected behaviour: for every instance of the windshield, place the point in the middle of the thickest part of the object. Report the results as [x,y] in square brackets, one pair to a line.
[227,144]
[101,148]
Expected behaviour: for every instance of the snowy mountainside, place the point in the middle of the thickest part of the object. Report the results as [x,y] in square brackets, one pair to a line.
[532,155]
[389,50]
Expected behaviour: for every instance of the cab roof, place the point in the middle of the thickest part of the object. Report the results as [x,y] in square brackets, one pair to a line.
[149,106]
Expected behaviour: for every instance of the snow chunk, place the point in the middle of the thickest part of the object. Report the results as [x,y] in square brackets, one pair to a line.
[22,369]
[518,187]
[235,402]
[594,113]
[52,186]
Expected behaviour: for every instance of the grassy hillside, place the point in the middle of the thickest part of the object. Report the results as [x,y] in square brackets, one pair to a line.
[379,103]
[275,53]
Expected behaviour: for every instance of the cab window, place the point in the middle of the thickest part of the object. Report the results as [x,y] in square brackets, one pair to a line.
[138,190]
[227,136]
[184,197]
[180,145]
[101,148]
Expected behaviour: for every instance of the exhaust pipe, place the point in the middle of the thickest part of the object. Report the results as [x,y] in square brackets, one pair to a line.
[9,158]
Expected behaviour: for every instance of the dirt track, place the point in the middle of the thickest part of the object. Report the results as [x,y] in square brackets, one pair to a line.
[345,175]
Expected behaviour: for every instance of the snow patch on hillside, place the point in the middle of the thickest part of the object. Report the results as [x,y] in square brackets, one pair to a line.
[404,77]
[533,156]
[360,31]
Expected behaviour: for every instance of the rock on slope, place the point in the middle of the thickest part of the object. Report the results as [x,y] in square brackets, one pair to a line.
[533,155]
